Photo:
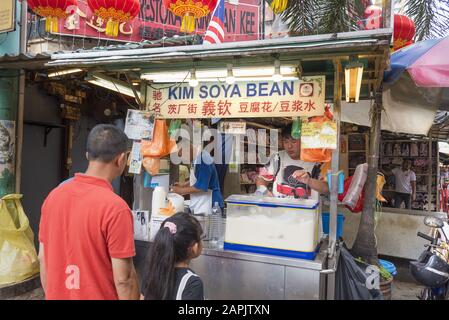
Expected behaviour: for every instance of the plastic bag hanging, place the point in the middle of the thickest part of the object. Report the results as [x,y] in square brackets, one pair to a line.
[296,128]
[18,257]
[173,130]
[152,165]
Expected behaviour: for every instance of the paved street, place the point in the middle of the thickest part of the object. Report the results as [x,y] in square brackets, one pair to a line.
[400,291]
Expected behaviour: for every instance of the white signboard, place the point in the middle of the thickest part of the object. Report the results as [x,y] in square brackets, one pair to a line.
[7,15]
[322,135]
[139,125]
[135,162]
[289,98]
[232,127]
[141,225]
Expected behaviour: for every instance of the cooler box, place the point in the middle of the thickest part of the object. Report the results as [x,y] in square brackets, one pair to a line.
[268,225]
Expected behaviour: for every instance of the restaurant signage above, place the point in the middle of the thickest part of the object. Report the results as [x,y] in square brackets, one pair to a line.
[241,23]
[289,98]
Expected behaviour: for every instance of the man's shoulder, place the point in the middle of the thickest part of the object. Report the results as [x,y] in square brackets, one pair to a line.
[61,190]
[99,196]
[110,198]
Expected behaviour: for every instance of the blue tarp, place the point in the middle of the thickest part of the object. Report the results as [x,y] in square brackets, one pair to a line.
[404,58]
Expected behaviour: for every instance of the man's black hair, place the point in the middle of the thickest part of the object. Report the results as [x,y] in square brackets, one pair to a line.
[105,142]
[287,131]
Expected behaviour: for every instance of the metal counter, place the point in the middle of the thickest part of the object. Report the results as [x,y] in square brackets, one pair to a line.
[247,276]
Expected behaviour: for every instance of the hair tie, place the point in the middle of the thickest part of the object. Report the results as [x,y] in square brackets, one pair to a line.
[171,226]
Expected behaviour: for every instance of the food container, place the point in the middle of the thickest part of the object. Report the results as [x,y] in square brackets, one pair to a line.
[275,226]
[204,221]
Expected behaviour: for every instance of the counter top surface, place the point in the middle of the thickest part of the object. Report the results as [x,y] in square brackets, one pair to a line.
[317,264]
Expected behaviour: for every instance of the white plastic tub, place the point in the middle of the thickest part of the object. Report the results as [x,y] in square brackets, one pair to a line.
[284,227]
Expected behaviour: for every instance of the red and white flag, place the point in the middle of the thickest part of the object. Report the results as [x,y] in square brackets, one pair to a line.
[215,30]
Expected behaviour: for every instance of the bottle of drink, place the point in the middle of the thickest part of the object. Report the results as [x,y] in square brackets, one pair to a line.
[216,232]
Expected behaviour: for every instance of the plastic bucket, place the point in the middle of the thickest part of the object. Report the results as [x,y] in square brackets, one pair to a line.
[389,267]
[340,222]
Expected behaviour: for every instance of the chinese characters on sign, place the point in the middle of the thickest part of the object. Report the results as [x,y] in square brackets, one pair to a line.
[240,100]
[155,22]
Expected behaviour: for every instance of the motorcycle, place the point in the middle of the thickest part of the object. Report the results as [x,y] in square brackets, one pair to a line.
[432,267]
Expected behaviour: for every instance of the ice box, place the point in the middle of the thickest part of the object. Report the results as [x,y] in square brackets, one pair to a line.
[268,225]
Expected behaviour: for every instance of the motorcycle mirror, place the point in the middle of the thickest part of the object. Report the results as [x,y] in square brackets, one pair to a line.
[433,222]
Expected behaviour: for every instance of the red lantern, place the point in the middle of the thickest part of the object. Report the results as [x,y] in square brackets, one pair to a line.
[53,10]
[404,27]
[190,10]
[114,12]
[404,31]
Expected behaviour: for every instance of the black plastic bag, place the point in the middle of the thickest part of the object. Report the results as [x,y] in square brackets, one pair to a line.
[351,279]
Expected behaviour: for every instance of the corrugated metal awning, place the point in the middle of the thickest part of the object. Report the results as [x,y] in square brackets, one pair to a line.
[27,61]
[306,47]
[33,61]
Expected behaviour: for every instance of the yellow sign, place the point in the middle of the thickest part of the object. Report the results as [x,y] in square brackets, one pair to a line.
[7,12]
[322,135]
[250,99]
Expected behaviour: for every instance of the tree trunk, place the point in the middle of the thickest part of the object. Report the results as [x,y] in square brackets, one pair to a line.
[365,243]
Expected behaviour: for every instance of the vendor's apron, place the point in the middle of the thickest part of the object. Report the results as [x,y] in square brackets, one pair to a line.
[200,202]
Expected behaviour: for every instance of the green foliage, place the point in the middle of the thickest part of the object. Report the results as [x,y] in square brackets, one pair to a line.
[431,18]
[384,274]
[338,16]
[302,16]
[305,17]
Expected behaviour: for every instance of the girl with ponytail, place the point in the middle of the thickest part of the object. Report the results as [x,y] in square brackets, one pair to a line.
[177,242]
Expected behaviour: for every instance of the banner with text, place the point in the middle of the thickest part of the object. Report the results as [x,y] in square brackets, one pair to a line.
[154,22]
[290,98]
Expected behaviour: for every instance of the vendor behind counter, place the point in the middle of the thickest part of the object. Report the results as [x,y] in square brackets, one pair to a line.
[203,185]
[290,175]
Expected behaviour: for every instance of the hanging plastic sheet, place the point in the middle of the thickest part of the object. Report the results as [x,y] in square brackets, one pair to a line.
[352,281]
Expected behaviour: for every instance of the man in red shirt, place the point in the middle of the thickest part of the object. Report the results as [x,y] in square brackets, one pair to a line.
[86,237]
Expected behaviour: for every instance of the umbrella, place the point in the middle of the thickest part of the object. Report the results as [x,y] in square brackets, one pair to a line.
[427,63]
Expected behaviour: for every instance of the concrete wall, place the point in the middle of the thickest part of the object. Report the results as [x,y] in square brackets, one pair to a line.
[82,129]
[41,165]
[395,232]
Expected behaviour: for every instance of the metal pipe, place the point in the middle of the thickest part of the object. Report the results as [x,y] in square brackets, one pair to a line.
[332,246]
[21,102]
[335,158]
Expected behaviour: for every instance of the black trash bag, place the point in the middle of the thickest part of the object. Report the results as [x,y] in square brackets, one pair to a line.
[350,281]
